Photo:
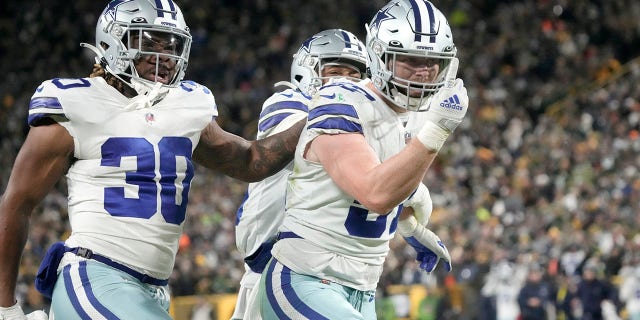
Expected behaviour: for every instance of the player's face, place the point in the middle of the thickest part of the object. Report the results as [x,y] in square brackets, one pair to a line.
[416,69]
[156,62]
[340,70]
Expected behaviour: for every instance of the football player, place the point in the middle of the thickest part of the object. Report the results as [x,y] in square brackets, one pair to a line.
[126,138]
[328,54]
[357,161]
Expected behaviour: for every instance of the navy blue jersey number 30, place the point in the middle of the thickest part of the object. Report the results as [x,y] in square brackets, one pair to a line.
[173,198]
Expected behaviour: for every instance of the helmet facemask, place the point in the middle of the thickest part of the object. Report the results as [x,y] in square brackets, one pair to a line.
[165,53]
[327,67]
[143,43]
[324,51]
[414,92]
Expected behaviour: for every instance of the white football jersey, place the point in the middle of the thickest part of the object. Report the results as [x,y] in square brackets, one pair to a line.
[262,211]
[129,184]
[330,220]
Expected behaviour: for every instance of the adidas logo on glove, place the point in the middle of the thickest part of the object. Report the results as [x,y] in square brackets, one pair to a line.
[452,103]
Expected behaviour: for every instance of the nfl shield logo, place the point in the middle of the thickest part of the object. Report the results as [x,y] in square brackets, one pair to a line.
[150,118]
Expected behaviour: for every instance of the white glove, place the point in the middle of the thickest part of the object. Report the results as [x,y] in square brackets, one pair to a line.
[420,202]
[15,313]
[446,110]
[12,313]
[427,244]
[37,315]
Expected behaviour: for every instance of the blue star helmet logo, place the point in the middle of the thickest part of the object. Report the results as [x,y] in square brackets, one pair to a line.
[112,8]
[381,16]
[306,45]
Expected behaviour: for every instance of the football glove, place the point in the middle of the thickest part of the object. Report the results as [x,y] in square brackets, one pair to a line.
[420,202]
[15,313]
[446,111]
[430,249]
[37,315]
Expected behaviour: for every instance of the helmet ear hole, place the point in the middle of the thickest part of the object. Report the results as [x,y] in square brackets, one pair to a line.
[104,45]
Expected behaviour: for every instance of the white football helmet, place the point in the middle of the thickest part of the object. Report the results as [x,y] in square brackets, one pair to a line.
[333,46]
[128,30]
[408,29]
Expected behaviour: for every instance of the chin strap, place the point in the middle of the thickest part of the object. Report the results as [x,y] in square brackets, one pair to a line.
[409,103]
[147,97]
[148,94]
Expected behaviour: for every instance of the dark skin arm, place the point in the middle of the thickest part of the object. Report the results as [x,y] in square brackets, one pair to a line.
[42,161]
[245,160]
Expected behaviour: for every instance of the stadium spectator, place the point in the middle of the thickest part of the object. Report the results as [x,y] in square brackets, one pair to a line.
[536,296]
[594,292]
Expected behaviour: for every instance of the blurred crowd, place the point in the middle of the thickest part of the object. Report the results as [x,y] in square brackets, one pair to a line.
[536,195]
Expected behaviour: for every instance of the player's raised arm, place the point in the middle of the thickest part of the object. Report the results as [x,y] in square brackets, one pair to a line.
[246,160]
[379,186]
